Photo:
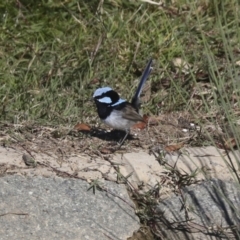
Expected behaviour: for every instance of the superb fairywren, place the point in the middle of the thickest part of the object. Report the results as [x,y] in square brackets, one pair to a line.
[116,112]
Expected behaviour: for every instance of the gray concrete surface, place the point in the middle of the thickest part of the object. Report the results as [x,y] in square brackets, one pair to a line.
[58,208]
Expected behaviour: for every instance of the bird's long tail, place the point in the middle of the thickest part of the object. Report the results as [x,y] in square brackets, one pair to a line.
[136,98]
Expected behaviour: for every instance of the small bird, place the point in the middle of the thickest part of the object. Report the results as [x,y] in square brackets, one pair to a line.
[117,112]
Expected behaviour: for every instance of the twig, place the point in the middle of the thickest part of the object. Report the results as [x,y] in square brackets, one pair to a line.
[13,213]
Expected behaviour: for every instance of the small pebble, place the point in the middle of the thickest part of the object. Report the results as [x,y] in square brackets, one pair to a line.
[28,160]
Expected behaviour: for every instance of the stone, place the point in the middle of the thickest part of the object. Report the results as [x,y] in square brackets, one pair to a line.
[58,208]
[205,211]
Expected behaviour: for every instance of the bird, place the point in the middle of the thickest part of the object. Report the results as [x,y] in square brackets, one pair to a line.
[117,112]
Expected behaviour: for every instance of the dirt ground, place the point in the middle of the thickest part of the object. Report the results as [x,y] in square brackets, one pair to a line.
[91,153]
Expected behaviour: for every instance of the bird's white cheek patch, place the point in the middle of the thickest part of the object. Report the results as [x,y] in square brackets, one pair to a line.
[118,102]
[105,100]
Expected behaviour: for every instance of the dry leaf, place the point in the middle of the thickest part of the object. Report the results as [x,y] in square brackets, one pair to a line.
[139,125]
[237,63]
[228,144]
[231,143]
[145,118]
[106,150]
[172,148]
[82,127]
[181,65]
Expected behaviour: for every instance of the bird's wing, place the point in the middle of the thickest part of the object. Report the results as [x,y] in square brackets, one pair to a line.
[128,112]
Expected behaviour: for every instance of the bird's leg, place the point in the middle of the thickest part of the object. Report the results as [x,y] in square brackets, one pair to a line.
[122,141]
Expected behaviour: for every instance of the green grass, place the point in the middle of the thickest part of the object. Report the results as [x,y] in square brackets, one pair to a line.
[54,54]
